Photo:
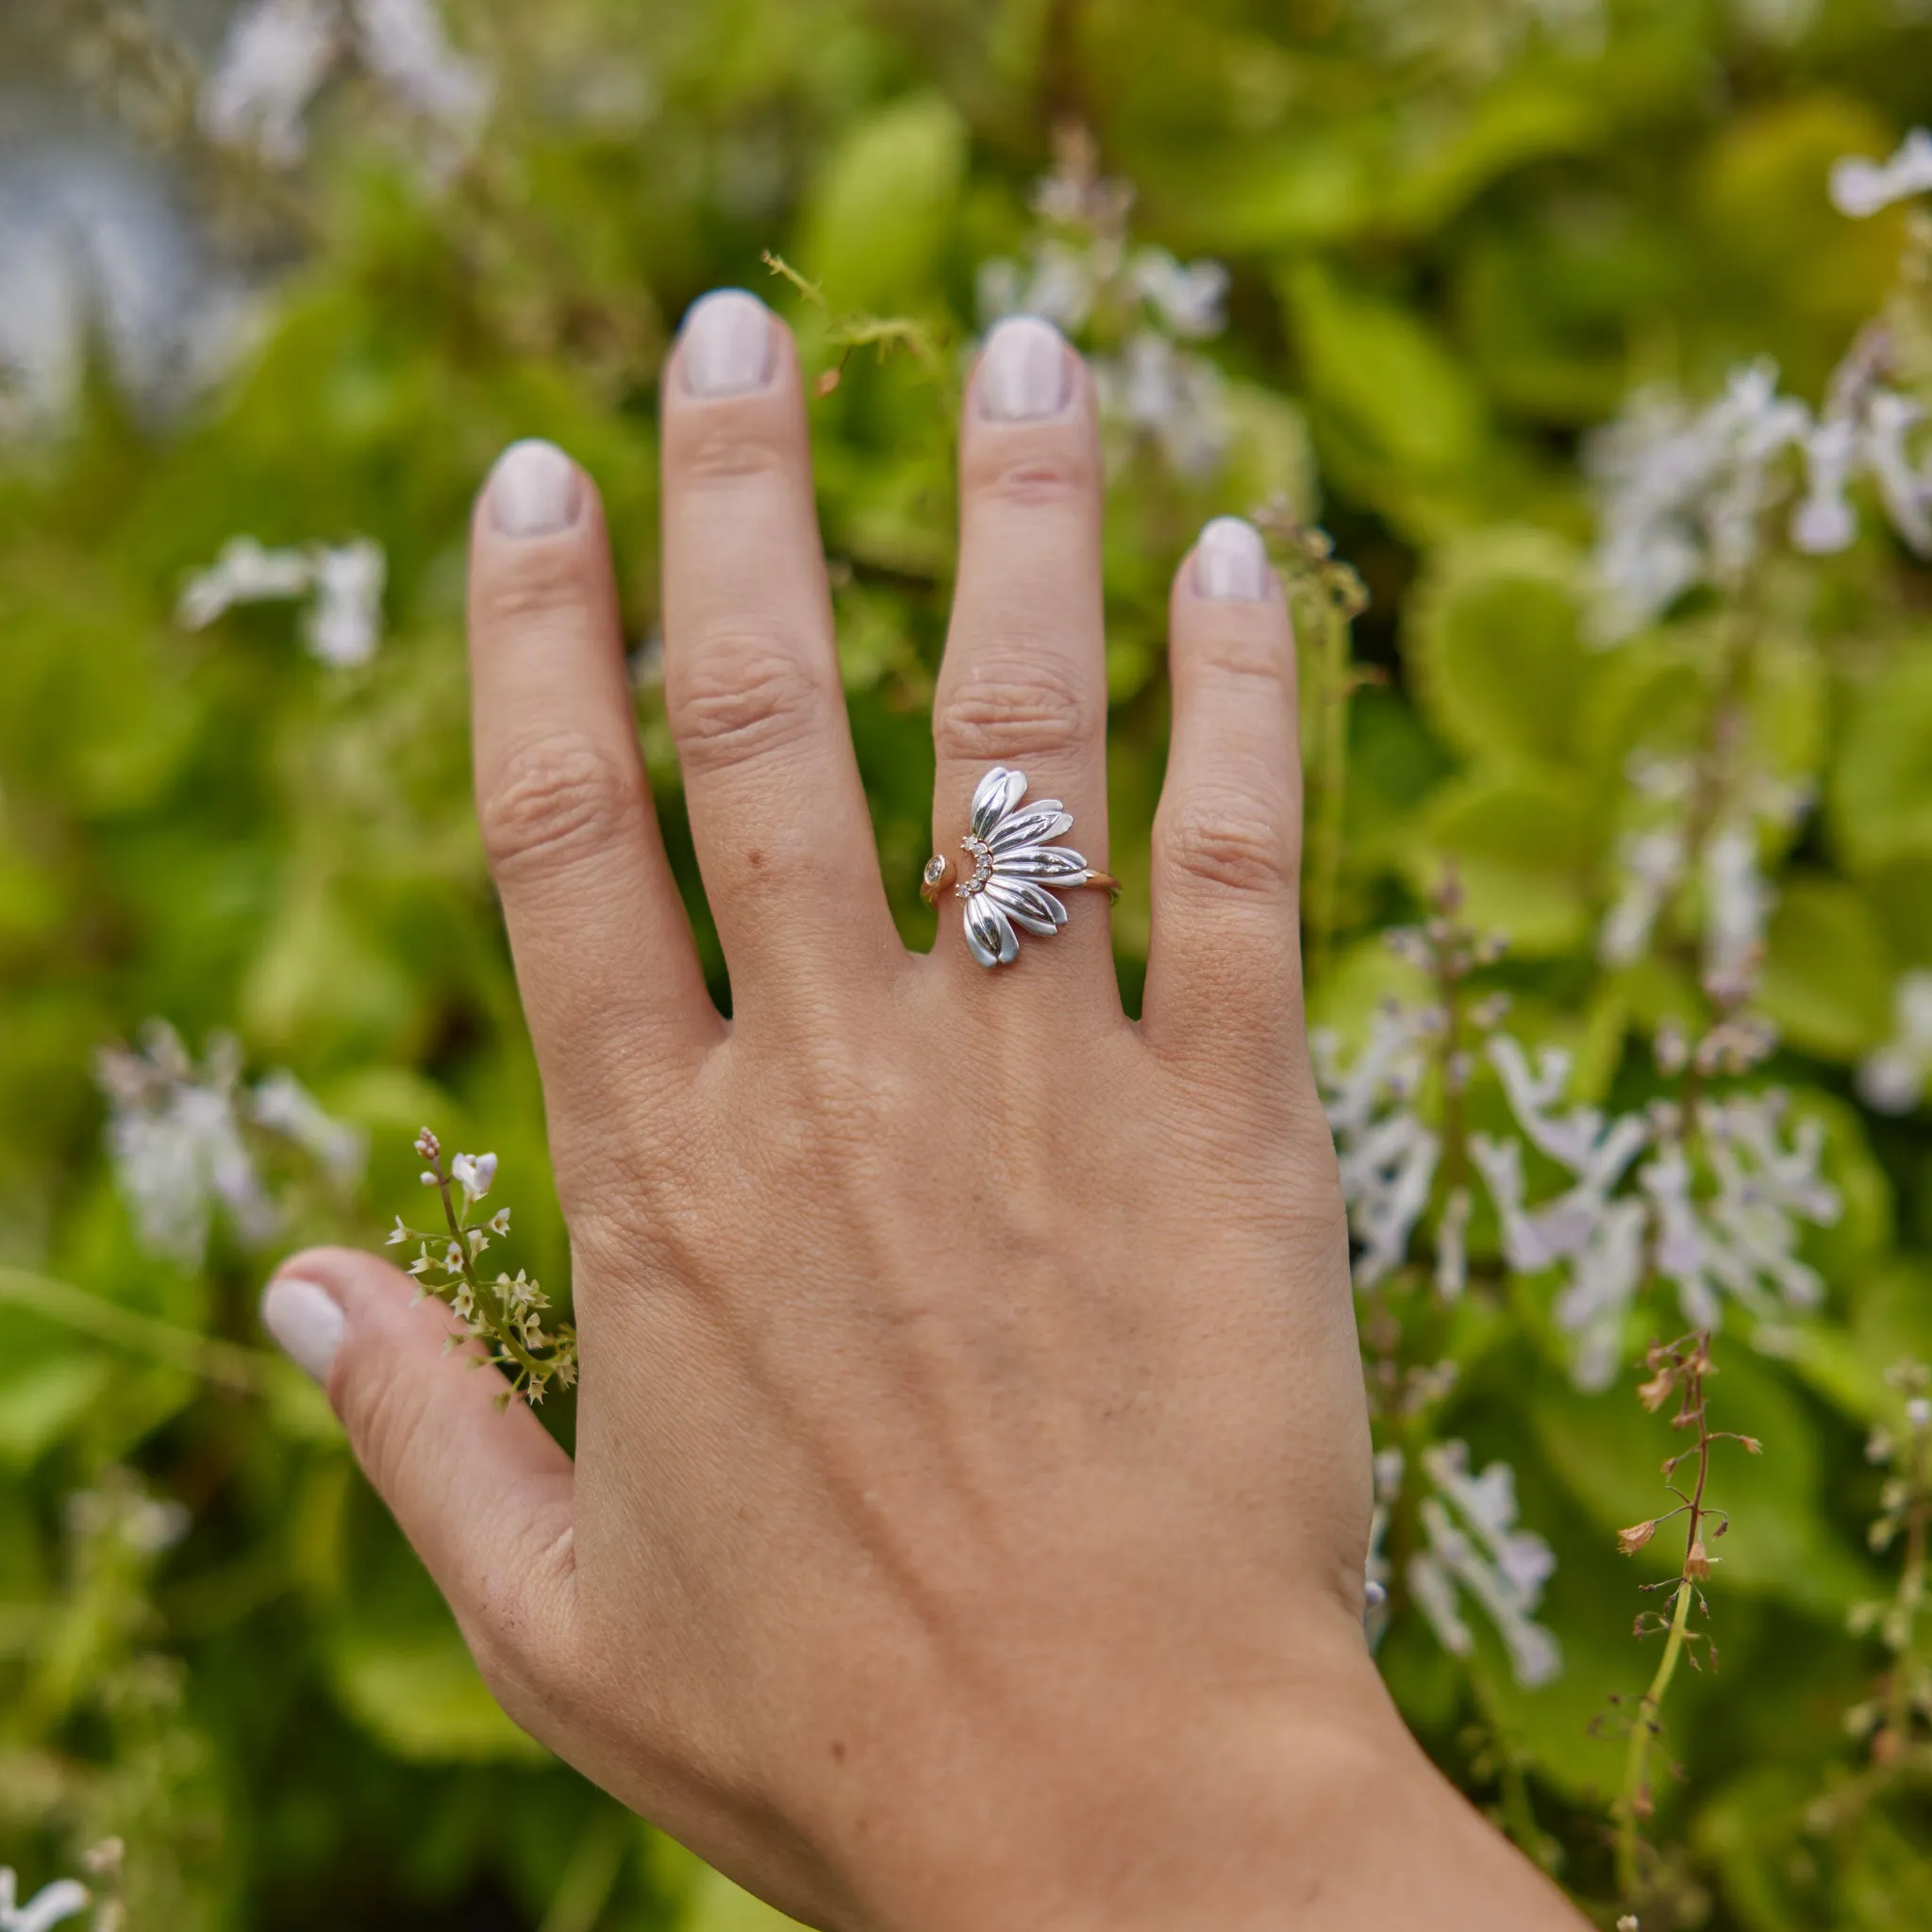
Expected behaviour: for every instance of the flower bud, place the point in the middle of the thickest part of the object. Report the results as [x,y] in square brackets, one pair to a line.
[1697,1564]
[1632,1540]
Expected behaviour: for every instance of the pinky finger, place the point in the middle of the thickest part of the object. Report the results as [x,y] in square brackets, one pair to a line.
[1223,970]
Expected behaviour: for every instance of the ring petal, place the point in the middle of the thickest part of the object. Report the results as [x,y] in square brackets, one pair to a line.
[1038,862]
[990,934]
[994,796]
[1032,827]
[1027,905]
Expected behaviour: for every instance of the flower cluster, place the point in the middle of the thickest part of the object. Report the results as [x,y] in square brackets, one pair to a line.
[343,624]
[1134,305]
[1473,1546]
[1721,1191]
[1669,849]
[279,54]
[179,1138]
[506,1314]
[1684,491]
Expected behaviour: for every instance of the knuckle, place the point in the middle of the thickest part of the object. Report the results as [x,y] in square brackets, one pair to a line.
[729,446]
[1258,656]
[1227,844]
[555,796]
[385,1414]
[1046,470]
[1015,703]
[737,698]
[535,584]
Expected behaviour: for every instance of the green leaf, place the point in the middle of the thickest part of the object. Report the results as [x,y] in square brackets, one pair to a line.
[417,1691]
[881,207]
[1396,416]
[1879,792]
[1827,972]
[1523,848]
[1491,639]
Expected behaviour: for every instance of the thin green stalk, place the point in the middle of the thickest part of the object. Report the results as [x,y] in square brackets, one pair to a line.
[227,1363]
[1331,786]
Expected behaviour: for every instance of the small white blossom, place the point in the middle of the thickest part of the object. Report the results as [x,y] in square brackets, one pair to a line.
[1387,1155]
[341,627]
[45,1909]
[1893,1080]
[1737,900]
[1652,866]
[473,1173]
[1474,1546]
[1596,1239]
[175,1136]
[281,1104]
[1681,493]
[1139,303]
[1860,188]
[344,624]
[276,56]
[403,44]
[279,53]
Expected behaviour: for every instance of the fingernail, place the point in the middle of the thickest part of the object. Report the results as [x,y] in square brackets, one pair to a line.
[728,344]
[1231,562]
[533,491]
[305,1319]
[1023,372]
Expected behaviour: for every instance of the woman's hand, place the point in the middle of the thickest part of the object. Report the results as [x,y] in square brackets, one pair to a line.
[971,1488]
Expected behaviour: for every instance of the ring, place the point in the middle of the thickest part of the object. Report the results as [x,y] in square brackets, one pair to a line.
[1013,860]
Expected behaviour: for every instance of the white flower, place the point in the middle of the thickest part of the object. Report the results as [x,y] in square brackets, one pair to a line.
[276,55]
[1893,1080]
[282,1104]
[1188,298]
[1765,1188]
[473,1173]
[1737,902]
[1598,1240]
[1653,867]
[45,1909]
[175,1135]
[243,572]
[1860,188]
[1905,490]
[1156,390]
[403,43]
[280,52]
[175,1142]
[1681,493]
[1824,522]
[1474,1546]
[344,624]
[1386,1153]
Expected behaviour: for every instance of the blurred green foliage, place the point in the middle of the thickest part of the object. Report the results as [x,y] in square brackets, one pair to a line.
[1458,233]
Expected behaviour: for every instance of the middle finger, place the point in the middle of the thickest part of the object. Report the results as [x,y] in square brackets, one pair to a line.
[1024,683]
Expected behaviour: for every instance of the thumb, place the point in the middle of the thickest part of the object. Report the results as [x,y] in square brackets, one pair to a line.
[483,1494]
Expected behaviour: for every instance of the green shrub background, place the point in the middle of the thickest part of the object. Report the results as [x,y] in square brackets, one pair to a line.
[1457,239]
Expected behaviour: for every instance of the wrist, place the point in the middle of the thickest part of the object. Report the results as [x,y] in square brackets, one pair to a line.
[1303,1802]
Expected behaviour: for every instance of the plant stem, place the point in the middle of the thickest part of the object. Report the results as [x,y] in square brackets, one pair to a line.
[1911,1595]
[1648,1724]
[227,1363]
[1332,785]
